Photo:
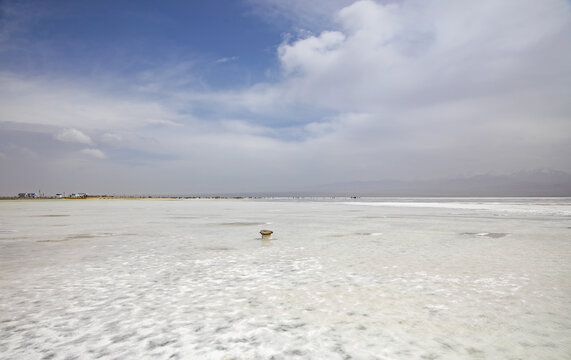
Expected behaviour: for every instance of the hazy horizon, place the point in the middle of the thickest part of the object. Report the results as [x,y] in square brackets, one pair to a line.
[255,96]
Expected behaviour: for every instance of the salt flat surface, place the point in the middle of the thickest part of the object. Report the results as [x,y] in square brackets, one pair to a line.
[360,279]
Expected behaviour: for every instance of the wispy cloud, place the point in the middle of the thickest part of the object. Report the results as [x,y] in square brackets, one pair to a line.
[301,14]
[64,103]
[112,138]
[73,135]
[96,153]
[226,59]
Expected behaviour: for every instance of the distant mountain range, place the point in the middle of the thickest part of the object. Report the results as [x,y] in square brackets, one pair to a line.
[542,182]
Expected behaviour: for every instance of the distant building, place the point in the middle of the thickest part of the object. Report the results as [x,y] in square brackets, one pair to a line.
[79,196]
[59,196]
[27,195]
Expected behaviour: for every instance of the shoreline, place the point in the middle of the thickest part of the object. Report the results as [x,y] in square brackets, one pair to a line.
[134,197]
[277,196]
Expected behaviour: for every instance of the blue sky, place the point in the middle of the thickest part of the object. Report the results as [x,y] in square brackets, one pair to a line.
[87,38]
[251,95]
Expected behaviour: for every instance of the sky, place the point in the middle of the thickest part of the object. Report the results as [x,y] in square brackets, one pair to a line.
[222,96]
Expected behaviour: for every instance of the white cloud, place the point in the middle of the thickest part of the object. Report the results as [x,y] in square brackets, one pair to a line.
[73,135]
[244,127]
[96,153]
[57,102]
[112,138]
[226,59]
[313,54]
[423,50]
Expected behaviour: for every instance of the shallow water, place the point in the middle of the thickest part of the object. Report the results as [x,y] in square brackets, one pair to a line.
[361,279]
